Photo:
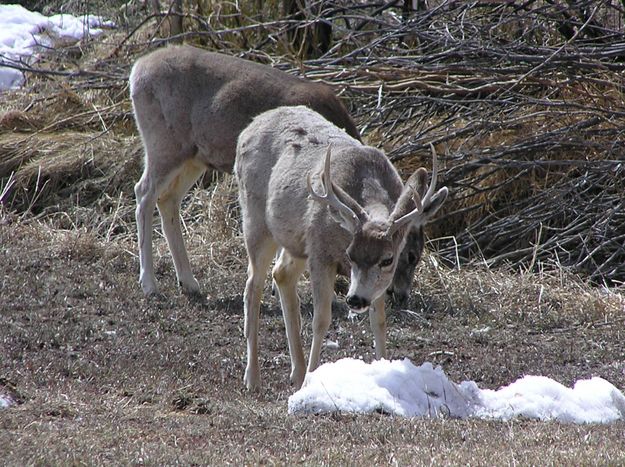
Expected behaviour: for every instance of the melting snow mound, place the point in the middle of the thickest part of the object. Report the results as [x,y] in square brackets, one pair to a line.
[400,388]
[589,401]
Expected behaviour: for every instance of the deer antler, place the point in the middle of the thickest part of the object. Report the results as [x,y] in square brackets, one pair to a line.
[422,203]
[330,197]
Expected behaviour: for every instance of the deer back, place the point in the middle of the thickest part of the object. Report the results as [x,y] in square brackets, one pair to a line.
[205,99]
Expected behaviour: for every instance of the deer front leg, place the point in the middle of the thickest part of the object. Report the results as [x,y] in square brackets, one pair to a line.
[377,320]
[260,256]
[322,278]
[286,274]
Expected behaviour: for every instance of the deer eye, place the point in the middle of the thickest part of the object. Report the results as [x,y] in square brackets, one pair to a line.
[385,263]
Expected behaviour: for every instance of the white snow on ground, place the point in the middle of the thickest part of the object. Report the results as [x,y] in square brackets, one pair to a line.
[398,387]
[23,34]
[5,402]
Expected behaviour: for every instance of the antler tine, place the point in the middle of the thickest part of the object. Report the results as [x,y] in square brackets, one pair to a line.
[432,187]
[330,197]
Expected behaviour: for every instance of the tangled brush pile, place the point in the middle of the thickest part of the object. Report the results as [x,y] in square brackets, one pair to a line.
[523,100]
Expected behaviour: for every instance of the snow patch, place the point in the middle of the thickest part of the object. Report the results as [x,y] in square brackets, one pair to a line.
[23,34]
[400,388]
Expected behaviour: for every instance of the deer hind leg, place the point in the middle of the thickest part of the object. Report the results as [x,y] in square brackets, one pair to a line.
[260,250]
[286,274]
[169,209]
[146,194]
[377,320]
[322,278]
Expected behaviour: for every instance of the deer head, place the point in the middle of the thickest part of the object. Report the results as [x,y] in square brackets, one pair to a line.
[376,244]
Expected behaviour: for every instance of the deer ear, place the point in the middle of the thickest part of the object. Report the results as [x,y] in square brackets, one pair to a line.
[347,200]
[430,209]
[347,222]
[418,181]
[342,216]
[343,220]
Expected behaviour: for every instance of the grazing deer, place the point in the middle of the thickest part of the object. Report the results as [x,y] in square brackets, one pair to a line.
[190,106]
[331,204]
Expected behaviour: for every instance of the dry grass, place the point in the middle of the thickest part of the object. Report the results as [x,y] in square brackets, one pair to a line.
[108,376]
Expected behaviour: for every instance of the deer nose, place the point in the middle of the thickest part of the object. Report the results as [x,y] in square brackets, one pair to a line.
[357,303]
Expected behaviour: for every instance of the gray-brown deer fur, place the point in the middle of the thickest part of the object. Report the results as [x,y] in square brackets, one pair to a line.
[190,106]
[360,232]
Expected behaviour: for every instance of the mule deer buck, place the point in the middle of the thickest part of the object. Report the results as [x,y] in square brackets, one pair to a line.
[331,204]
[190,106]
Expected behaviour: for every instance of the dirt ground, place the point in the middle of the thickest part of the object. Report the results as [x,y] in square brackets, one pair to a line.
[104,375]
